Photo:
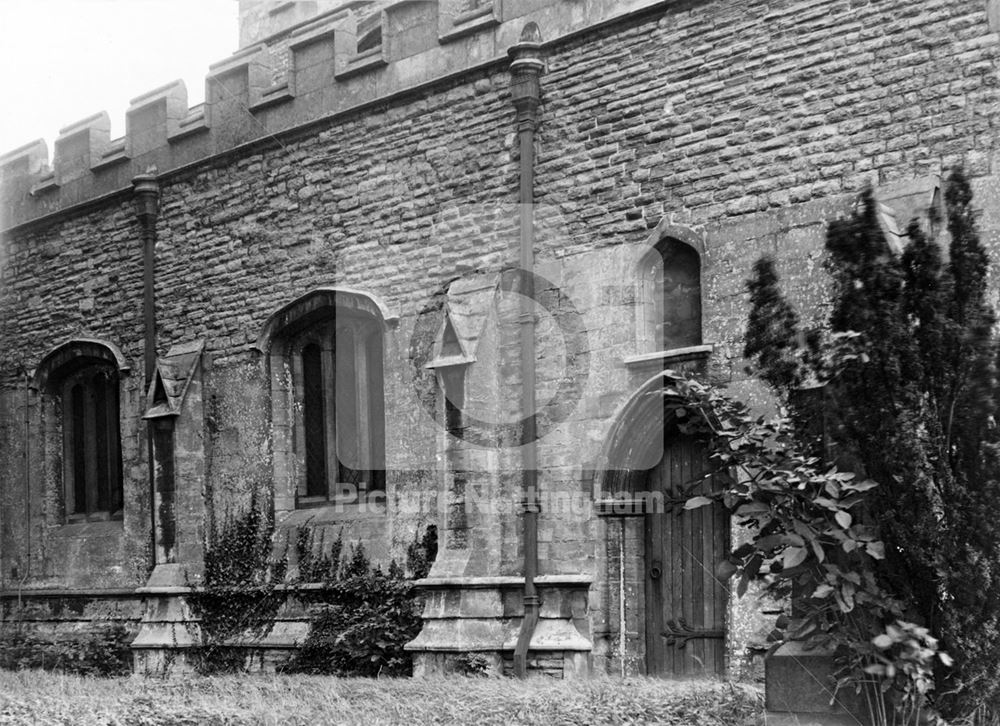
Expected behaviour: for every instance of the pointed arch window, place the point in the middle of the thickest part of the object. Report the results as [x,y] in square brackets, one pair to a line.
[327,398]
[670,297]
[92,443]
[81,383]
[336,367]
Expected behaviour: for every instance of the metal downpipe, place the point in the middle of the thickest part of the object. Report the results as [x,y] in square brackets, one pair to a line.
[146,197]
[526,69]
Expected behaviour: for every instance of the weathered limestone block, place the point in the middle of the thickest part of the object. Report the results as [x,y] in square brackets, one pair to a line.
[800,688]
[79,146]
[483,615]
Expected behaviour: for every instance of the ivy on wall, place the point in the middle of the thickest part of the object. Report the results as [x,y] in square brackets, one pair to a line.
[238,598]
[361,616]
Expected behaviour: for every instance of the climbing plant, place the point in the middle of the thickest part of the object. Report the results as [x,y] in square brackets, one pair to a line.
[363,616]
[360,616]
[238,597]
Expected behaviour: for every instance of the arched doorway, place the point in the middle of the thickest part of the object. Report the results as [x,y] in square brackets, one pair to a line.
[685,602]
[672,622]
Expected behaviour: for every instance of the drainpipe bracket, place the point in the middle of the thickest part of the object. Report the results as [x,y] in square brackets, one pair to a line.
[528,506]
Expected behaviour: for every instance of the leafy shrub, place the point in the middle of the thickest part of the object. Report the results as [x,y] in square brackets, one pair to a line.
[476,665]
[421,552]
[363,616]
[103,652]
[315,565]
[812,540]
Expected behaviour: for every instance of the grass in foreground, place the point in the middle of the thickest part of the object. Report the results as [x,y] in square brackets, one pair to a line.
[35,697]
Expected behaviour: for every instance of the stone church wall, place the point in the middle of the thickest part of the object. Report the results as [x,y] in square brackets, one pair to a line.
[746,127]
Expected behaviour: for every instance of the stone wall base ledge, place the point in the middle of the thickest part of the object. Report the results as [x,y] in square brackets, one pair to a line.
[502,581]
[773,718]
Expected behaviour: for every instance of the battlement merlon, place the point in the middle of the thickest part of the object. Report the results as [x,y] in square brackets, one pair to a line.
[343,59]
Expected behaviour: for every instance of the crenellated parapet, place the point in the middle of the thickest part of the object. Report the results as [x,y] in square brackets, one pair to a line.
[342,59]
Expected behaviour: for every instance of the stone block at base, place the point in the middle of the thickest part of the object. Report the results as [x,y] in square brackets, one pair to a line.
[800,686]
[482,616]
[806,719]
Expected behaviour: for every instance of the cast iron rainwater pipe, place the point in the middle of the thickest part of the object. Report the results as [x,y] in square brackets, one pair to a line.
[526,69]
[146,197]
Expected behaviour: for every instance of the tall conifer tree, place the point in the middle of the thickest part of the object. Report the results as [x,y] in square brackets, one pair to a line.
[912,401]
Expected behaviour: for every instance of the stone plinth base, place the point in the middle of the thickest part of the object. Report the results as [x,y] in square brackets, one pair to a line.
[71,615]
[170,638]
[482,615]
[800,687]
[792,719]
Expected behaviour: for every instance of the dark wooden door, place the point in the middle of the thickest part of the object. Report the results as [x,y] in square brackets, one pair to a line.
[685,602]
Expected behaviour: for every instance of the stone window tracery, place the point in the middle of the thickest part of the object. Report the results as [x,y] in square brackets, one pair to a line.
[337,383]
[92,443]
[80,384]
[325,353]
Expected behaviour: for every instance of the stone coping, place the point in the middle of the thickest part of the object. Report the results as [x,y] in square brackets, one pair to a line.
[673,355]
[467,583]
[184,590]
[460,634]
[426,583]
[65,592]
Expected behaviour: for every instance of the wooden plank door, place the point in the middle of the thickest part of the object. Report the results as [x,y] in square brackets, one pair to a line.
[685,602]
